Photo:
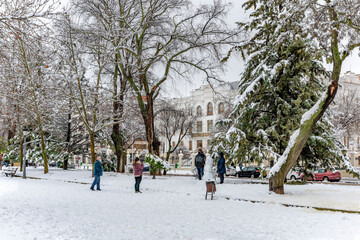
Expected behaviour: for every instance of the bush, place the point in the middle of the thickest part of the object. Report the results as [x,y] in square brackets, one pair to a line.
[156,164]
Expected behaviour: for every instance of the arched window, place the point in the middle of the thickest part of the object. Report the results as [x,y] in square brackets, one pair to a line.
[210,109]
[221,108]
[198,111]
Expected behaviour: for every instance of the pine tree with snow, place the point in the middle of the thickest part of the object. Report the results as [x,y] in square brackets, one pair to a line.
[282,81]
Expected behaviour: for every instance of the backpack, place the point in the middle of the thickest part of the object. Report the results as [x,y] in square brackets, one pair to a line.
[198,158]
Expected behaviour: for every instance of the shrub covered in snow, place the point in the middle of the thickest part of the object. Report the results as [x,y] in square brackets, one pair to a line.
[156,164]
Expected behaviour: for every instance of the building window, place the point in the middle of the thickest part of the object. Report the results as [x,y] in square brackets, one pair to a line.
[199,144]
[199,126]
[190,129]
[209,125]
[198,111]
[210,109]
[190,145]
[221,108]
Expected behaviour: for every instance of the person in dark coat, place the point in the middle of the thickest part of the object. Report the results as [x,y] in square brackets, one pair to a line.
[221,169]
[200,163]
[98,171]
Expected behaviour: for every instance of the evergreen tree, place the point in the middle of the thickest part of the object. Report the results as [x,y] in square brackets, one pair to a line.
[283,79]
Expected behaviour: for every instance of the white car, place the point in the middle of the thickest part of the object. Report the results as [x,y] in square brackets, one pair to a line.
[230,171]
[294,174]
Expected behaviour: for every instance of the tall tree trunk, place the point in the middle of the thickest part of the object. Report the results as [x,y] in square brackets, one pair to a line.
[298,140]
[21,153]
[149,123]
[117,138]
[68,139]
[118,110]
[92,151]
[153,141]
[43,149]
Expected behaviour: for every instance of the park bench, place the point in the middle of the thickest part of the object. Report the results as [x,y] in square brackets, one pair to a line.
[9,171]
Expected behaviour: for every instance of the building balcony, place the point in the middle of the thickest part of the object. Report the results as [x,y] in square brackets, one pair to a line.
[203,134]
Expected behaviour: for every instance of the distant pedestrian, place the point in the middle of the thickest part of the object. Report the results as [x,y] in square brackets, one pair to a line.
[200,163]
[240,166]
[138,167]
[6,163]
[221,169]
[98,171]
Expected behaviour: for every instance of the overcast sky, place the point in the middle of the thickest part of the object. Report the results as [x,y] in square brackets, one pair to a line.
[235,66]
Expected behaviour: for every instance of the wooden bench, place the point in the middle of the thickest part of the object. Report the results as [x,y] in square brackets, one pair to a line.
[9,171]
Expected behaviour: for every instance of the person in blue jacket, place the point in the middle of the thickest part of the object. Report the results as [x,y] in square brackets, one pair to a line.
[221,169]
[98,171]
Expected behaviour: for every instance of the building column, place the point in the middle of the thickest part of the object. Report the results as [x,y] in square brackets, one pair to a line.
[193,155]
[128,158]
[86,162]
[181,155]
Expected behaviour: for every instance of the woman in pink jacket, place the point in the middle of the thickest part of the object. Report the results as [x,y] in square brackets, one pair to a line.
[138,167]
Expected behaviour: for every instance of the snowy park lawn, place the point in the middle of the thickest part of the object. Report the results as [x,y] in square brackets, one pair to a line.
[61,206]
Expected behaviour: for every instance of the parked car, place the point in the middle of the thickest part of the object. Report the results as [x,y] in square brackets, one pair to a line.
[71,165]
[252,172]
[52,164]
[324,175]
[230,171]
[294,174]
[146,167]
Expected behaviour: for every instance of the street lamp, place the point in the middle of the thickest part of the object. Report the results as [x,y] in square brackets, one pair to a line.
[25,131]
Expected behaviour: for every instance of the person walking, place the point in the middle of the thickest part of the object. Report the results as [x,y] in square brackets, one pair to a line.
[200,163]
[138,167]
[98,171]
[221,169]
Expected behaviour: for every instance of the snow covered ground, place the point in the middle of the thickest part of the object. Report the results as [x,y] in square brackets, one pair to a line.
[61,206]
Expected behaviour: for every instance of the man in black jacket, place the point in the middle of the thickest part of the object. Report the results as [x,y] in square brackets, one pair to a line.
[200,163]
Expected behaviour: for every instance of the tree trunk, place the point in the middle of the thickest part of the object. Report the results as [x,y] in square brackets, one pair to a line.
[298,140]
[153,141]
[117,138]
[43,149]
[149,123]
[68,139]
[21,154]
[118,109]
[92,149]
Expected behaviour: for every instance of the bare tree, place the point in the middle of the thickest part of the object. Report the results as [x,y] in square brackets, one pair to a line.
[157,40]
[346,115]
[174,124]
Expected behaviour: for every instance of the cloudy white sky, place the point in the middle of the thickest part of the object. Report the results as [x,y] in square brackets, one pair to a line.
[235,66]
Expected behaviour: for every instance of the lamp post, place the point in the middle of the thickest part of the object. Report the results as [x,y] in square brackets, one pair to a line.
[25,131]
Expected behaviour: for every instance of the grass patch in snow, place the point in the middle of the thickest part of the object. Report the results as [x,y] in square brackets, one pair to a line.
[295,183]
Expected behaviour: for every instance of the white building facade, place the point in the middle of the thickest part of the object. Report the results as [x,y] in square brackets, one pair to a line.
[348,100]
[209,104]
